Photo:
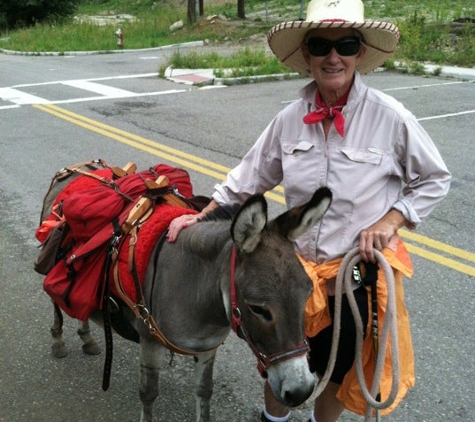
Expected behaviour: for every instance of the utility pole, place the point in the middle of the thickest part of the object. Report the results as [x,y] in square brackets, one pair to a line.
[240,10]
[191,11]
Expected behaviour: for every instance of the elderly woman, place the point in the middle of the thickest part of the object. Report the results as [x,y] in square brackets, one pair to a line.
[382,167]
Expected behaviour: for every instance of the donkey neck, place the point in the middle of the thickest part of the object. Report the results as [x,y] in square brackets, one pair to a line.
[190,294]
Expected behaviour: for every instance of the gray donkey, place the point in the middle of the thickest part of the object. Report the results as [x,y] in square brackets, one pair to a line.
[239,271]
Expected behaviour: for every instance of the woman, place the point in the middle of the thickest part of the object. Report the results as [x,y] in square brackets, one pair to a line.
[382,167]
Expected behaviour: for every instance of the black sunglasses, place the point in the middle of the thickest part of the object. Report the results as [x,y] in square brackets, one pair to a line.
[348,46]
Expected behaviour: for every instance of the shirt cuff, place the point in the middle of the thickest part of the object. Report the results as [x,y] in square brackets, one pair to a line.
[220,195]
[405,208]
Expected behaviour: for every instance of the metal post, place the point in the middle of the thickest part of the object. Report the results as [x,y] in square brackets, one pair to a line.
[301,10]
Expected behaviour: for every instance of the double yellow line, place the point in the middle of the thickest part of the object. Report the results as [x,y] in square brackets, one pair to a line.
[183,159]
[444,254]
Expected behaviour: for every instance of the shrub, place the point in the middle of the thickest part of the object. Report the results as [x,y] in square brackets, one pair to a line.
[25,13]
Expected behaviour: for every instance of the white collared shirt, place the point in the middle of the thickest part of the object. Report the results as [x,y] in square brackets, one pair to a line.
[385,160]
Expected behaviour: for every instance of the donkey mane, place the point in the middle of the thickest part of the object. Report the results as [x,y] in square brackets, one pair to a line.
[222,213]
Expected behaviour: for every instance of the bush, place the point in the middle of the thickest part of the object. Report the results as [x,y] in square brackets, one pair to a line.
[25,13]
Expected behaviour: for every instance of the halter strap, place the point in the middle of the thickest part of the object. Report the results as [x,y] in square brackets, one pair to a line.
[263,360]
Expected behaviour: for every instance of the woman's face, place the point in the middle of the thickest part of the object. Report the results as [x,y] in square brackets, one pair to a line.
[333,73]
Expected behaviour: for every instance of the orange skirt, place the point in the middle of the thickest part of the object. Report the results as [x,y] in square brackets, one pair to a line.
[317,317]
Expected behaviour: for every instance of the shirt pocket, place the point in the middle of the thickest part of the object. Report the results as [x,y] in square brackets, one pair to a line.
[365,156]
[301,169]
[296,148]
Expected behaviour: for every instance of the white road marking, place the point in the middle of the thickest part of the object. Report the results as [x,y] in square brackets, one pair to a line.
[133,95]
[21,98]
[443,116]
[9,106]
[16,96]
[107,78]
[107,91]
[403,88]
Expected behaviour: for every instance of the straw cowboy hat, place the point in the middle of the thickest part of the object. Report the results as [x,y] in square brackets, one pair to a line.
[380,38]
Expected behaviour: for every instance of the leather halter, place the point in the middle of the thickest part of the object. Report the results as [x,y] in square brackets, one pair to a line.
[263,360]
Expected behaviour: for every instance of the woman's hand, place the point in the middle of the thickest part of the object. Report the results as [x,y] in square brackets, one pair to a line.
[187,220]
[381,235]
[180,223]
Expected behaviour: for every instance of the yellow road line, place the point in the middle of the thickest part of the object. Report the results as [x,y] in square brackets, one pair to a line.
[92,124]
[144,146]
[434,244]
[440,259]
[219,172]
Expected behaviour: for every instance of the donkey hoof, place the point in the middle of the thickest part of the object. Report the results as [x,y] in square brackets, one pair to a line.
[59,350]
[91,348]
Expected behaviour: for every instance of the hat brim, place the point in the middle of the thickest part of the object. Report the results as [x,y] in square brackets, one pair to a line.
[380,39]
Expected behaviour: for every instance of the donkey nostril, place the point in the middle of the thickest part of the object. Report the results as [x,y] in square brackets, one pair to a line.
[294,398]
[290,398]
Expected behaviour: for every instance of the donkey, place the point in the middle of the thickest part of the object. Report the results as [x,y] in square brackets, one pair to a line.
[189,289]
[240,271]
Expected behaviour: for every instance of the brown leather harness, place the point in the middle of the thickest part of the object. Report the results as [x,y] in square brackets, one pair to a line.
[263,360]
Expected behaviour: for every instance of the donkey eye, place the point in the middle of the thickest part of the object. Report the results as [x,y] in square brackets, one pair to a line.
[261,312]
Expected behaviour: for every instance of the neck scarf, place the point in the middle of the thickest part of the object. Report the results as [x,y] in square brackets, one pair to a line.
[333,112]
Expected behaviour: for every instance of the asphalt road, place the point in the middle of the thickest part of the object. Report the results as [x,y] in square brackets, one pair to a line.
[114,107]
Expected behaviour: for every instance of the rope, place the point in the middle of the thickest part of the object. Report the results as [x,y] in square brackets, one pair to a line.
[389,329]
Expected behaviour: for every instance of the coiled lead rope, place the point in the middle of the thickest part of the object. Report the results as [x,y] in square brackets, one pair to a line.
[389,329]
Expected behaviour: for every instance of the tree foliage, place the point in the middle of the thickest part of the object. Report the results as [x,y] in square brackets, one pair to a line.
[18,13]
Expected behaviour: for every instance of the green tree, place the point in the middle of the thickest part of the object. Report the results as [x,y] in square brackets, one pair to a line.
[17,13]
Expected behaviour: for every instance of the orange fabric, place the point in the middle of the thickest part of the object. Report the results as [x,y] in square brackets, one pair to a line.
[316,310]
[317,315]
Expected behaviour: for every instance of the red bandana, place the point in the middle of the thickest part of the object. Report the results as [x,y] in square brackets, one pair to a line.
[333,112]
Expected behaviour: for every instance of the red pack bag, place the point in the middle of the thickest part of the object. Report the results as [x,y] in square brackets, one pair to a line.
[76,289]
[88,211]
[178,179]
[94,216]
[76,282]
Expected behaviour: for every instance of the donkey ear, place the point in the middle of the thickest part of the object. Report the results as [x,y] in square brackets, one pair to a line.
[249,222]
[298,220]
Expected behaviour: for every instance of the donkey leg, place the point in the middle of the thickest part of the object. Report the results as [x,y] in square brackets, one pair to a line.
[204,363]
[58,347]
[90,346]
[151,353]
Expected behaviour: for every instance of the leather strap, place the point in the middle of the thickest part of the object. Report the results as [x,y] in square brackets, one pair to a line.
[117,172]
[111,253]
[139,213]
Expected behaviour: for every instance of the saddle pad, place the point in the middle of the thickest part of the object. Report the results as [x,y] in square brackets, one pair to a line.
[147,238]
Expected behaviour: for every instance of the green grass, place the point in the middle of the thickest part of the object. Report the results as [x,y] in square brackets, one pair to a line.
[426,33]
[245,62]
